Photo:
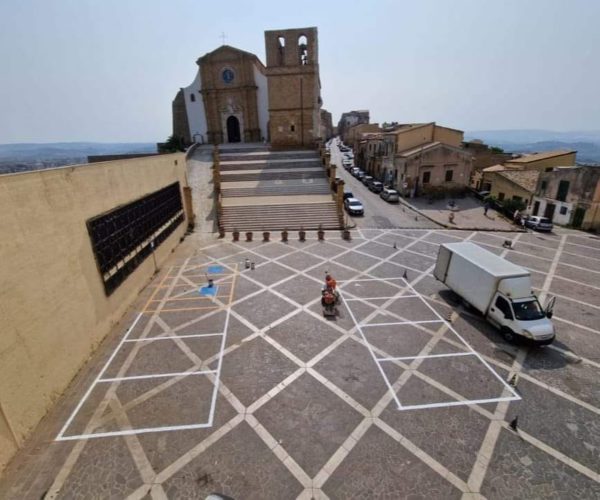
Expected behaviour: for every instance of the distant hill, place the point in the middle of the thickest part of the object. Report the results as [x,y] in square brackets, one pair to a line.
[586,143]
[22,157]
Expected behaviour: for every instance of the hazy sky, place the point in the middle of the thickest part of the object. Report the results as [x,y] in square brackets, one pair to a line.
[107,70]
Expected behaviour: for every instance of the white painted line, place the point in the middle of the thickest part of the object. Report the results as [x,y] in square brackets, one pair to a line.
[427,356]
[99,379]
[130,432]
[458,403]
[371,279]
[368,346]
[377,298]
[402,323]
[156,375]
[451,328]
[213,403]
[89,391]
[171,337]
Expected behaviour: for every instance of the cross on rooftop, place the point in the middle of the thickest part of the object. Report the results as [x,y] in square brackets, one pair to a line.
[223,37]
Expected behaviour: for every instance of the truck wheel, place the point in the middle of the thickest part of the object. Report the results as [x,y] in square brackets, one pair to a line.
[508,335]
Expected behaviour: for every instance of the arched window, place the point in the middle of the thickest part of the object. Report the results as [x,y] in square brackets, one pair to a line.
[303,50]
[192,98]
[281,47]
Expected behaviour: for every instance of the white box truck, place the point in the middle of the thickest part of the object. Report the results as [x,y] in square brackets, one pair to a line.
[497,288]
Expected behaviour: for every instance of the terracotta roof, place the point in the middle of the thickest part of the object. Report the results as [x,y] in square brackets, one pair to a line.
[527,179]
[541,156]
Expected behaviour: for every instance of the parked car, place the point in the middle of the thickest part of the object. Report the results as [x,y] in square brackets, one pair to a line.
[482,195]
[347,164]
[366,179]
[354,171]
[376,186]
[353,206]
[538,223]
[348,194]
[360,175]
[390,195]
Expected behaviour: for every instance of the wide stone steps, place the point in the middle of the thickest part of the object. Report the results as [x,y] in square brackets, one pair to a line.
[298,189]
[266,155]
[263,165]
[245,150]
[272,176]
[279,217]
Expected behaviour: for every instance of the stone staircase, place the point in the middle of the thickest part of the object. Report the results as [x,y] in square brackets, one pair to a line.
[263,190]
[281,216]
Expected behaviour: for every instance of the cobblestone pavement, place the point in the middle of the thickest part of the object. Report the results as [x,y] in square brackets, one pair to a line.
[254,394]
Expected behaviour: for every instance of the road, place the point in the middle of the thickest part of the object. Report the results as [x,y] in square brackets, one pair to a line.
[379,214]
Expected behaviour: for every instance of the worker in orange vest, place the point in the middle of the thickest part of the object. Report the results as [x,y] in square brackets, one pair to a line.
[330,282]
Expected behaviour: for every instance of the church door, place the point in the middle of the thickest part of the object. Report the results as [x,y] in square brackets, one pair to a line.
[233,129]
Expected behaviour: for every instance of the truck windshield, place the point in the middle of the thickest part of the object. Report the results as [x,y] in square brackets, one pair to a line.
[528,311]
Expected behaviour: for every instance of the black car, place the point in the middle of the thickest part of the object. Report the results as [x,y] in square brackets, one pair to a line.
[366,179]
[348,194]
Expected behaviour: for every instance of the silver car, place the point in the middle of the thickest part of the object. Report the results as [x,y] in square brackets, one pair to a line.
[390,195]
[539,223]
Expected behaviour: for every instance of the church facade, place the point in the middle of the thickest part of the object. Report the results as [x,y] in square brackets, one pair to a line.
[235,98]
[226,102]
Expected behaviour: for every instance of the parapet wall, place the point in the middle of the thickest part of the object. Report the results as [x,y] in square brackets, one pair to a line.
[53,308]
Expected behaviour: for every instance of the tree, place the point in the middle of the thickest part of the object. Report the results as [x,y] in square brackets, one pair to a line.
[173,144]
[496,149]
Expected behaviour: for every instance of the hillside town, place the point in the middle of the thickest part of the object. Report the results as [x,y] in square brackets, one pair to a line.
[427,160]
[272,306]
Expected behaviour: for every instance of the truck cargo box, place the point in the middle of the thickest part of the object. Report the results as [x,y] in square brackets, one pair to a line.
[474,273]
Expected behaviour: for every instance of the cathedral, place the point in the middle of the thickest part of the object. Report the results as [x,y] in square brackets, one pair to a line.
[236,98]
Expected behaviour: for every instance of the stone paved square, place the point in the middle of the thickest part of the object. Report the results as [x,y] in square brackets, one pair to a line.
[379,467]
[304,335]
[303,409]
[317,424]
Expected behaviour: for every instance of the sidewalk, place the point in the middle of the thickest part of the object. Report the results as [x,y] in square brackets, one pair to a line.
[468,214]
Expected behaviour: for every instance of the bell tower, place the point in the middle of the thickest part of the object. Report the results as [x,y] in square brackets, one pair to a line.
[294,87]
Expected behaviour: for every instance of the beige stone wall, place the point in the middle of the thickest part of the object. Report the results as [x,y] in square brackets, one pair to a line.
[354,134]
[181,127]
[294,88]
[52,303]
[415,137]
[541,165]
[501,184]
[438,161]
[237,98]
[448,136]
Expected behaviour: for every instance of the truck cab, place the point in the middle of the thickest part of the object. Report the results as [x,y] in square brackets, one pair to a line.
[524,317]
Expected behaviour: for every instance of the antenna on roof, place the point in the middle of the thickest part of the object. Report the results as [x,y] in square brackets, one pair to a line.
[223,37]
